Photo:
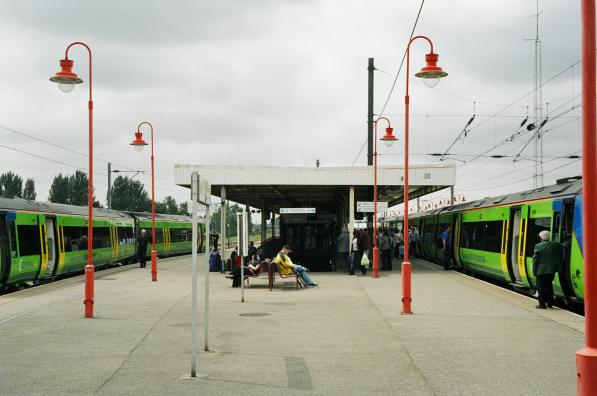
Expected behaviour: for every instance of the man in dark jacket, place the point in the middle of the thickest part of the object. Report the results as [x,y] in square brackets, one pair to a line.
[142,242]
[546,262]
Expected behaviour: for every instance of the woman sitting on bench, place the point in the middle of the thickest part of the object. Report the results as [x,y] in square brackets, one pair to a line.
[253,268]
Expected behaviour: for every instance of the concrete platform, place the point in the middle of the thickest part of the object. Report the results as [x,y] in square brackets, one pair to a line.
[344,338]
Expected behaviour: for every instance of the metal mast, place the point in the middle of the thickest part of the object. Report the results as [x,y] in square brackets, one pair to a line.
[537,106]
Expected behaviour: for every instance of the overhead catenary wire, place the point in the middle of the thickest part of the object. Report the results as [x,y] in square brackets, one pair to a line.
[68,149]
[383,109]
[458,137]
[520,180]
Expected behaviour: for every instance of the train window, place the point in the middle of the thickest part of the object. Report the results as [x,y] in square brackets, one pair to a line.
[181,234]
[159,235]
[126,235]
[29,240]
[428,232]
[534,227]
[485,235]
[75,238]
[101,237]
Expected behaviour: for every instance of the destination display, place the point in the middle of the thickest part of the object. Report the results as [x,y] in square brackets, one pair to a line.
[296,210]
[367,207]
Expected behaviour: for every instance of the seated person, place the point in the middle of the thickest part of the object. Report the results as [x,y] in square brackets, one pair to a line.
[251,269]
[287,267]
[254,264]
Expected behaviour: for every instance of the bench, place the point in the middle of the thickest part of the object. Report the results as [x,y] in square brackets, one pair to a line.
[272,276]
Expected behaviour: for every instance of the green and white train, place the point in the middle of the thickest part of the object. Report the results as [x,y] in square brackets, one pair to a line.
[43,241]
[495,237]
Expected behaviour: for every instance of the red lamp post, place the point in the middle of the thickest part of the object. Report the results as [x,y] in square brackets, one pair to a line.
[430,74]
[388,140]
[67,80]
[586,358]
[139,144]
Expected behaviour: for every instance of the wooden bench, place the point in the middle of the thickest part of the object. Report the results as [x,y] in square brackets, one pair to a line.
[272,276]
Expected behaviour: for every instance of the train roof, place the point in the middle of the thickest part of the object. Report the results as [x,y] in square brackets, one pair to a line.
[19,204]
[564,188]
[161,216]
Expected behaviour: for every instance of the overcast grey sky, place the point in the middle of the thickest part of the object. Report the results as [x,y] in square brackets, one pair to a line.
[233,82]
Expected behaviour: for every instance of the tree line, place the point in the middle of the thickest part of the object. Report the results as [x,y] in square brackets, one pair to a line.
[127,194]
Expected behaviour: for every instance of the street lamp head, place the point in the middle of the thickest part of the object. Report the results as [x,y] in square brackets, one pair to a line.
[65,78]
[431,73]
[389,138]
[139,144]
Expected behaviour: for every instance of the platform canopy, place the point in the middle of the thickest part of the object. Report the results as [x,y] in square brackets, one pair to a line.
[273,187]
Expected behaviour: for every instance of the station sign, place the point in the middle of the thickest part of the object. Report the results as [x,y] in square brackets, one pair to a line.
[297,210]
[367,207]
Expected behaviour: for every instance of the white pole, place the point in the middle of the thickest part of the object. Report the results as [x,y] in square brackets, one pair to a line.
[240,236]
[206,318]
[245,247]
[223,218]
[194,182]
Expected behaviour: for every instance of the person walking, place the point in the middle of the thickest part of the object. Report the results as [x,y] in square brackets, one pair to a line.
[547,259]
[142,242]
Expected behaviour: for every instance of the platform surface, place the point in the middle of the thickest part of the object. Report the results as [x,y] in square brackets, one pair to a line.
[346,337]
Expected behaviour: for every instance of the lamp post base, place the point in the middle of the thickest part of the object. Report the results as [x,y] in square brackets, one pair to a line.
[406,289]
[375,262]
[89,290]
[586,372]
[154,266]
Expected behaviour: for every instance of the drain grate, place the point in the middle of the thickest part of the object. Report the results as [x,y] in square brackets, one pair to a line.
[255,314]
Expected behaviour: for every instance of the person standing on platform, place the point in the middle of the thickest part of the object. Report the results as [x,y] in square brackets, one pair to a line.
[343,246]
[386,251]
[366,245]
[356,249]
[547,258]
[142,242]
[414,242]
[446,247]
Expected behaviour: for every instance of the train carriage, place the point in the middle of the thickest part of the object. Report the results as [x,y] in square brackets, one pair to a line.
[495,237]
[40,241]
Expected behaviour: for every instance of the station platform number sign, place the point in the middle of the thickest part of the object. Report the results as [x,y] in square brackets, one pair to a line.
[367,207]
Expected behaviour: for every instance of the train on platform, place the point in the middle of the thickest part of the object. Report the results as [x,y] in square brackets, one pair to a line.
[494,238]
[44,241]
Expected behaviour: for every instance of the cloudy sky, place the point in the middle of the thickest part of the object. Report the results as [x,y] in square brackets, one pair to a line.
[233,82]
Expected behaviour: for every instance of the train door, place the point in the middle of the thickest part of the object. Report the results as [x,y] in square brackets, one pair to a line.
[50,243]
[516,243]
[457,224]
[4,250]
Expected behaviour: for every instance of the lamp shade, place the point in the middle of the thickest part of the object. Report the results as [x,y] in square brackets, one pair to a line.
[66,76]
[138,143]
[389,138]
[431,71]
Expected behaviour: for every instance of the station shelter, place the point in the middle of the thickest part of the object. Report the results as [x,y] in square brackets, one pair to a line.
[312,205]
